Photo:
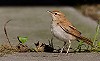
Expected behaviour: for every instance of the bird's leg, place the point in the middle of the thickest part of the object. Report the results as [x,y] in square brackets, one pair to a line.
[69,46]
[63,47]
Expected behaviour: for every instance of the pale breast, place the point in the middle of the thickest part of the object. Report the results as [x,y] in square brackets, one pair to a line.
[59,33]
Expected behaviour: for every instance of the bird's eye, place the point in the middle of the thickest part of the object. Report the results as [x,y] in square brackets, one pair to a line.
[55,13]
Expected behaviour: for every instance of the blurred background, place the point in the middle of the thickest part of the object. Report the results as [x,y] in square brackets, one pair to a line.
[30,19]
[46,2]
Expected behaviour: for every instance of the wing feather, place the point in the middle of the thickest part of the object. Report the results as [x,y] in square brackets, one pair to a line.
[70,29]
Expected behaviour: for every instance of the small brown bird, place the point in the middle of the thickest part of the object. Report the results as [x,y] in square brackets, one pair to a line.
[64,30]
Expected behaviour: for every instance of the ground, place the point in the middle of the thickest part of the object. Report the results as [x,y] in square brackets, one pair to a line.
[52,57]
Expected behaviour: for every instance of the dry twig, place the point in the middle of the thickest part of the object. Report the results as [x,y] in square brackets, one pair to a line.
[5,31]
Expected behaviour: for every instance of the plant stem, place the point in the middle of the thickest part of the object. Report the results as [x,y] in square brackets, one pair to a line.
[96,34]
[6,33]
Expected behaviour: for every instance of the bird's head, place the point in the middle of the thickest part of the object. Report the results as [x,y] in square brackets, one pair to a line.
[56,15]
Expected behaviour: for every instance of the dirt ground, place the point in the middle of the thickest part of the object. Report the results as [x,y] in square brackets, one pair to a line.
[51,57]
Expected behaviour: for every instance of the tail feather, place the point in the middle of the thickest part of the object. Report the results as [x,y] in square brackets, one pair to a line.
[86,40]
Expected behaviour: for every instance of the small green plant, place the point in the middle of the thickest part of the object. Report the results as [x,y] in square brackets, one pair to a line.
[95,36]
[22,39]
[96,44]
[80,49]
[95,41]
[79,46]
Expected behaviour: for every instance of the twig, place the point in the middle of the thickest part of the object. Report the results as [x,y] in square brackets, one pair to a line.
[5,31]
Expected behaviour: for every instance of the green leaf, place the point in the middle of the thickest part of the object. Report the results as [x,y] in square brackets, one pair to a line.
[98,44]
[22,39]
[80,43]
[96,34]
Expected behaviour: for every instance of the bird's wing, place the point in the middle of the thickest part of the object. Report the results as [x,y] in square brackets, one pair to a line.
[68,28]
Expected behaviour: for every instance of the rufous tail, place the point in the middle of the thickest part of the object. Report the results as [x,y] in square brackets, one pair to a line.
[86,40]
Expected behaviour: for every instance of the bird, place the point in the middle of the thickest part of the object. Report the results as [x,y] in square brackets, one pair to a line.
[64,30]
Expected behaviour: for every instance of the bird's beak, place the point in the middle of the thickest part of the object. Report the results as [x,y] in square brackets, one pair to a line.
[50,12]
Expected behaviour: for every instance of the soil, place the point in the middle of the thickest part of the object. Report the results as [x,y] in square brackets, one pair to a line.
[41,56]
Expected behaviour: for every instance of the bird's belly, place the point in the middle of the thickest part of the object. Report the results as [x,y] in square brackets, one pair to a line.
[59,33]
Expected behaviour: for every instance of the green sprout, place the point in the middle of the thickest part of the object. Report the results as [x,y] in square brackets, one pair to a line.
[22,39]
[80,49]
[98,45]
[79,46]
[95,43]
[96,34]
